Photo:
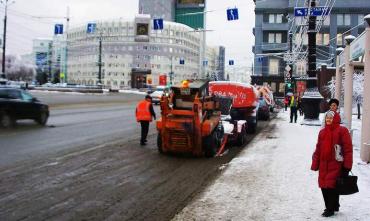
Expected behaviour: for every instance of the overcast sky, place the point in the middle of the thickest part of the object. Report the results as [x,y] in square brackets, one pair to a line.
[23,24]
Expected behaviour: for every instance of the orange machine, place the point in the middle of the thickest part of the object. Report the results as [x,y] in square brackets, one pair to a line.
[245,101]
[190,121]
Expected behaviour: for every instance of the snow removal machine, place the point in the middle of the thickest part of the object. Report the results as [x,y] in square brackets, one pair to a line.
[245,101]
[191,121]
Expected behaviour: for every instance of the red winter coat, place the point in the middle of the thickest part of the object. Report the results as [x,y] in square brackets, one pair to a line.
[323,158]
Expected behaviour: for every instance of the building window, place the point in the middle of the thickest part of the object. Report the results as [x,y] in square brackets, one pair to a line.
[322,39]
[278,38]
[275,18]
[339,39]
[273,66]
[275,38]
[343,19]
[301,68]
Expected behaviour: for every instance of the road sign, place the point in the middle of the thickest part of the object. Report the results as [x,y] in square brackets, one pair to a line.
[231,62]
[205,63]
[182,61]
[58,29]
[158,24]
[91,27]
[232,14]
[315,11]
[288,68]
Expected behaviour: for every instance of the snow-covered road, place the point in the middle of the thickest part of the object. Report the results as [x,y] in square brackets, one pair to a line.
[271,180]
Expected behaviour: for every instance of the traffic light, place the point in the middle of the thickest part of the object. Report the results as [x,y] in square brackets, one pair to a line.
[289,85]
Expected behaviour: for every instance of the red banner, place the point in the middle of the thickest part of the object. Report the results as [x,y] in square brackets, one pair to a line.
[163,80]
[301,87]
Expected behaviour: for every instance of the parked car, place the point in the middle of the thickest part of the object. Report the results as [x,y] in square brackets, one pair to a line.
[17,104]
[158,93]
[263,110]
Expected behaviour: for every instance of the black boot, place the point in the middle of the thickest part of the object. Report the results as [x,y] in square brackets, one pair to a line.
[327,213]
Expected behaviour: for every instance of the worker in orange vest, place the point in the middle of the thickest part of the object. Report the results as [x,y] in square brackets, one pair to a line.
[144,115]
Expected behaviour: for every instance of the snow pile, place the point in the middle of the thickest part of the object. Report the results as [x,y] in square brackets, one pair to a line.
[133,92]
[271,180]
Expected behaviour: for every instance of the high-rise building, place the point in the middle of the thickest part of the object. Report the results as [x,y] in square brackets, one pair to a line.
[158,8]
[191,13]
[188,12]
[273,21]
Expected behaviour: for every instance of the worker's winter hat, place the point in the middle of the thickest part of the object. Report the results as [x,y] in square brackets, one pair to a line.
[330,114]
[148,97]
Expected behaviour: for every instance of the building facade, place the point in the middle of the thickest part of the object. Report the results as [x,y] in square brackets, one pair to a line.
[158,8]
[42,57]
[274,20]
[134,54]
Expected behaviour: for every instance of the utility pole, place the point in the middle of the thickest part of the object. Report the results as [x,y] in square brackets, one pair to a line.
[4,36]
[66,48]
[100,60]
[311,98]
[171,73]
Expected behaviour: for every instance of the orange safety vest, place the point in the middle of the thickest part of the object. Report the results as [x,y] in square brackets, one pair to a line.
[143,112]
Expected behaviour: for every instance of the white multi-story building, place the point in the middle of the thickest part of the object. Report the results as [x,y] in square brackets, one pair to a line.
[134,54]
[41,53]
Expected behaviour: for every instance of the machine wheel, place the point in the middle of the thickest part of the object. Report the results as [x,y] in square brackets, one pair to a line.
[6,120]
[159,143]
[252,127]
[42,119]
[242,137]
[210,145]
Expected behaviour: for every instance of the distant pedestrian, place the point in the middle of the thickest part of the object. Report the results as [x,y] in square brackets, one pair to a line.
[332,158]
[286,102]
[144,115]
[300,106]
[293,104]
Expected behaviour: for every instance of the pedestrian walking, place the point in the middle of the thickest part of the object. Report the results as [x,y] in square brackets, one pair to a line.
[144,115]
[293,104]
[286,102]
[332,158]
[300,107]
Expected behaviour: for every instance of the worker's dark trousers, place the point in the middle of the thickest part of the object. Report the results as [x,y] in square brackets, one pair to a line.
[293,114]
[144,131]
[331,198]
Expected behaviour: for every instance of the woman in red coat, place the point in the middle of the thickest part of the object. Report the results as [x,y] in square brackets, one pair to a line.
[324,159]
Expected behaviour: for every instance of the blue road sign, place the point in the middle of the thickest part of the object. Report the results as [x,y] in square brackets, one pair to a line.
[91,27]
[232,14]
[58,29]
[231,62]
[205,63]
[182,61]
[316,11]
[158,24]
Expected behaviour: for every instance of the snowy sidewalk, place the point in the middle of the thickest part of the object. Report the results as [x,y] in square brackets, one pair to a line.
[271,180]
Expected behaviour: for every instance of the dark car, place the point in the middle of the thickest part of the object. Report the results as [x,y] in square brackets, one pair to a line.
[263,110]
[17,104]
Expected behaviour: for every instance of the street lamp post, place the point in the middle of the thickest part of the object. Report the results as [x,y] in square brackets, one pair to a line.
[4,36]
[311,98]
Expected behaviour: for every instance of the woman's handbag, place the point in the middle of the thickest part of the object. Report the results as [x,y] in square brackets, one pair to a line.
[346,185]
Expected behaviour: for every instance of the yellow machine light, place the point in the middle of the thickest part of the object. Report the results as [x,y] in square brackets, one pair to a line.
[185,84]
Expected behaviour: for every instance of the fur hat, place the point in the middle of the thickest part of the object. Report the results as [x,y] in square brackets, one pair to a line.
[330,114]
